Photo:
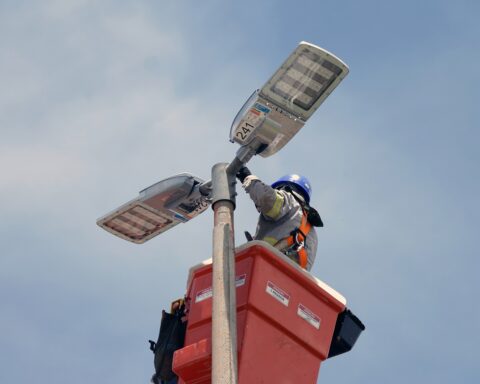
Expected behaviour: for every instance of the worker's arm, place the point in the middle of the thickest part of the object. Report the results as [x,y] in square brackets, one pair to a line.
[271,203]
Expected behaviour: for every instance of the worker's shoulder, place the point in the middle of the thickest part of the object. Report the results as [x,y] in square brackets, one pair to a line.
[289,199]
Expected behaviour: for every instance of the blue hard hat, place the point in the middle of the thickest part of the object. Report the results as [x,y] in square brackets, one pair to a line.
[300,182]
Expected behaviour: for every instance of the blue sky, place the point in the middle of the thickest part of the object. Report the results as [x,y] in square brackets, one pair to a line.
[101,99]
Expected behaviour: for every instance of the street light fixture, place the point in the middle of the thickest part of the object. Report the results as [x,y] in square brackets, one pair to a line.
[157,209]
[276,112]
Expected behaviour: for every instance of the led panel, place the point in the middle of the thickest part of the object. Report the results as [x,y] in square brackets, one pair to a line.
[137,222]
[305,80]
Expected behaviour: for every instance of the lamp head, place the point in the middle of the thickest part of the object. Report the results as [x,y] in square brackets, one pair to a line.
[158,208]
[276,112]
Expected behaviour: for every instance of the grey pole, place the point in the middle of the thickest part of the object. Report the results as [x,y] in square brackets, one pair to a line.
[224,313]
[224,307]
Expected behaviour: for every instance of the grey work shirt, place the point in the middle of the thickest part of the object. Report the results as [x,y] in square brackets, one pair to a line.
[280,214]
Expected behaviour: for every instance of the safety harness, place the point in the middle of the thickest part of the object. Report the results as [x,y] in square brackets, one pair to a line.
[296,242]
[293,246]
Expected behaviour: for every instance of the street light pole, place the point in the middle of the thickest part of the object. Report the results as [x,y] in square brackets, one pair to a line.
[224,307]
[224,319]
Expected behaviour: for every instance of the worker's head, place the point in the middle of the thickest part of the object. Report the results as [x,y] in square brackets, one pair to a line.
[298,183]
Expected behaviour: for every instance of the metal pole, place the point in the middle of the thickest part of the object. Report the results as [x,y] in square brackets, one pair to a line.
[224,312]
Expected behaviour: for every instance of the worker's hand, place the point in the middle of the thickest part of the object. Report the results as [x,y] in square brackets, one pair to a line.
[243,173]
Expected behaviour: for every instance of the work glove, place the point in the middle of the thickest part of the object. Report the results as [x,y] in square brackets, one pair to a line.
[243,173]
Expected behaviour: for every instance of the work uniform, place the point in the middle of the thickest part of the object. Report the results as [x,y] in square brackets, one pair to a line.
[280,215]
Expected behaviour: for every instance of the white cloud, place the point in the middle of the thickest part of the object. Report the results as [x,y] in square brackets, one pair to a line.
[36,169]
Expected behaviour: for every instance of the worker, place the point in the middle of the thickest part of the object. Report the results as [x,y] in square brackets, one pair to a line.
[286,219]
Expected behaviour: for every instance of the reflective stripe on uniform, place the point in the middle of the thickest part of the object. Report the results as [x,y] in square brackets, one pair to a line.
[274,212]
[270,240]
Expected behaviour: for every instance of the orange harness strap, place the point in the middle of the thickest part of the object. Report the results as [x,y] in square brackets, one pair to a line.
[299,238]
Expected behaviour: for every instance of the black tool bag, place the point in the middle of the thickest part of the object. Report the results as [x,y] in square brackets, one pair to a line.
[171,337]
[347,331]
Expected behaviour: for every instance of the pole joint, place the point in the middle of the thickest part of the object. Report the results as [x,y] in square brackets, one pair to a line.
[223,183]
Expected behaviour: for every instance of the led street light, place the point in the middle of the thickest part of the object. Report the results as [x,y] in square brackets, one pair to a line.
[275,113]
[157,209]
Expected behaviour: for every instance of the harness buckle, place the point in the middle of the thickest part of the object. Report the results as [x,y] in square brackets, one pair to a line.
[295,247]
[299,242]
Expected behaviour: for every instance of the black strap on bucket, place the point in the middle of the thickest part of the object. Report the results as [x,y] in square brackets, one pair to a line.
[170,338]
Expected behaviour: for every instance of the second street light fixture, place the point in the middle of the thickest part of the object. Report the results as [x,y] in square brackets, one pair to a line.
[157,209]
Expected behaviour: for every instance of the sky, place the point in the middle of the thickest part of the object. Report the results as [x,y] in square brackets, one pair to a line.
[100,99]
